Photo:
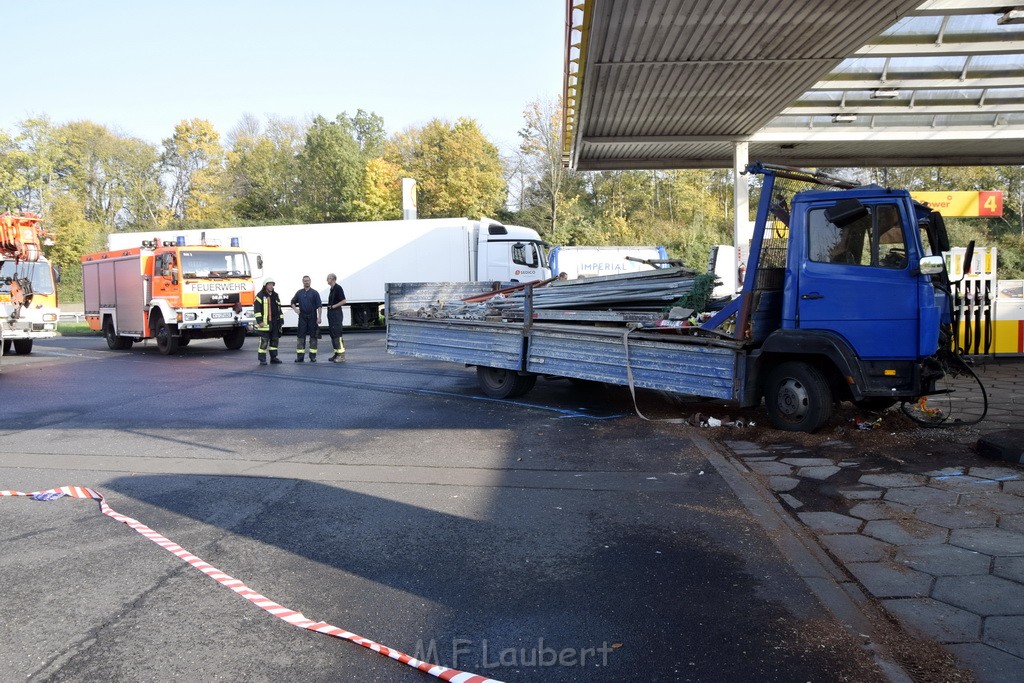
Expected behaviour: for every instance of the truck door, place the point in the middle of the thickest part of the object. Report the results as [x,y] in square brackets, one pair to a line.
[856,278]
[519,261]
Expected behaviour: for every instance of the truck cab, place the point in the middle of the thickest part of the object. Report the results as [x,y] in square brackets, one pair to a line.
[841,294]
[511,254]
[28,303]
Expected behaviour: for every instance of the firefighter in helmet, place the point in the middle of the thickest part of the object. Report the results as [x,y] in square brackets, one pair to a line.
[269,320]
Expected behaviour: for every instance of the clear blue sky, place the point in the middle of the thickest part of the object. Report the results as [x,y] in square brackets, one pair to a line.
[140,66]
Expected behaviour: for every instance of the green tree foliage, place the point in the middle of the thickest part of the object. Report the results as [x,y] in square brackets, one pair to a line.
[457,170]
[113,177]
[368,129]
[12,179]
[330,171]
[381,195]
[73,236]
[263,170]
[194,160]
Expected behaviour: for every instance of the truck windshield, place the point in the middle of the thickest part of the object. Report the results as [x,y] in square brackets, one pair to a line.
[530,254]
[38,272]
[214,264]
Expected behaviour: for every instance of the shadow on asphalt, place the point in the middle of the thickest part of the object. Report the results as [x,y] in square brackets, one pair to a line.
[662,587]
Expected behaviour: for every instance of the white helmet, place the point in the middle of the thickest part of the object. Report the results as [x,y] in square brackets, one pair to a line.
[269,281]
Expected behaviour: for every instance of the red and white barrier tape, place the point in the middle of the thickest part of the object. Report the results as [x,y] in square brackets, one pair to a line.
[292,617]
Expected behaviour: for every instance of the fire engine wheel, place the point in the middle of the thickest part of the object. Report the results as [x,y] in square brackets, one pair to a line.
[166,340]
[114,342]
[798,397]
[501,383]
[23,346]
[7,347]
[235,339]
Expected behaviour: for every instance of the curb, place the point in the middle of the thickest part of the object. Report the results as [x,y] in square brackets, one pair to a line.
[829,583]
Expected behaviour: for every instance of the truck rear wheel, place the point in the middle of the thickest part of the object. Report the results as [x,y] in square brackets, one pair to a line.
[23,346]
[114,341]
[166,340]
[235,339]
[798,397]
[502,383]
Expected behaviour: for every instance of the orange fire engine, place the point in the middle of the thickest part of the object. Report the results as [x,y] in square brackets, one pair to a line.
[171,292]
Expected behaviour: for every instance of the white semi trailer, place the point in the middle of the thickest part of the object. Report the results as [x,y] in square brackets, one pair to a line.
[366,255]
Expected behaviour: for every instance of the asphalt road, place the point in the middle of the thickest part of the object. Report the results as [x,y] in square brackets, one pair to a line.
[386,497]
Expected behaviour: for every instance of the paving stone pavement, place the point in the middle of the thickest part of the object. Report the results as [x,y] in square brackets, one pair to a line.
[940,548]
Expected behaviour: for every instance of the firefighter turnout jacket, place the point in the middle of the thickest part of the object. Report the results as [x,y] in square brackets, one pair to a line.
[267,308]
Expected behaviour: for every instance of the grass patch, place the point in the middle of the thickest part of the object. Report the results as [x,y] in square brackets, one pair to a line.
[75,329]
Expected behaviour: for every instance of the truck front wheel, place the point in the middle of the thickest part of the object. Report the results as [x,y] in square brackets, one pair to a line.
[502,383]
[23,346]
[166,340]
[798,397]
[235,338]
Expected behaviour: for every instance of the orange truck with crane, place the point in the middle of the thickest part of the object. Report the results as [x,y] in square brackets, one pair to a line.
[28,292]
[171,292]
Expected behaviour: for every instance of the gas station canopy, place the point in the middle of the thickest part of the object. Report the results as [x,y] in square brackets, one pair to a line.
[684,83]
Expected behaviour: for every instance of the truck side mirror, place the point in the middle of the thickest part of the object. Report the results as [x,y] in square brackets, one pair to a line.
[931,265]
[56,273]
[846,212]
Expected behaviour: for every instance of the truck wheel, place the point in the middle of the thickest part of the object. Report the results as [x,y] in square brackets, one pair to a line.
[798,397]
[7,347]
[166,340]
[23,346]
[114,342]
[235,338]
[502,383]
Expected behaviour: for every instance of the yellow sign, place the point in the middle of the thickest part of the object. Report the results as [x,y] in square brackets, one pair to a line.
[962,204]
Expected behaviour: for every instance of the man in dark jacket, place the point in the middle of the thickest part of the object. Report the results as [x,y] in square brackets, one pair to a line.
[336,317]
[269,317]
[306,303]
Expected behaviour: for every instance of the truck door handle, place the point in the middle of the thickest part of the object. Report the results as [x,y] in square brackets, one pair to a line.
[813,295]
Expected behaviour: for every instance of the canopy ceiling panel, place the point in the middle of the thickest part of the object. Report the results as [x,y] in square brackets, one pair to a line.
[675,83]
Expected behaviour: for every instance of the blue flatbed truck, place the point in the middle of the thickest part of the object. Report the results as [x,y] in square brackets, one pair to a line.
[845,298]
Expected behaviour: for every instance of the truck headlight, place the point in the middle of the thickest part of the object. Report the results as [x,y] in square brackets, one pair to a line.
[190,316]
[49,317]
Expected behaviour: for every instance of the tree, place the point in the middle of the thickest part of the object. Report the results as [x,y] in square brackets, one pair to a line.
[263,169]
[368,129]
[194,160]
[542,147]
[13,181]
[113,177]
[457,170]
[381,195]
[330,171]
[73,236]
